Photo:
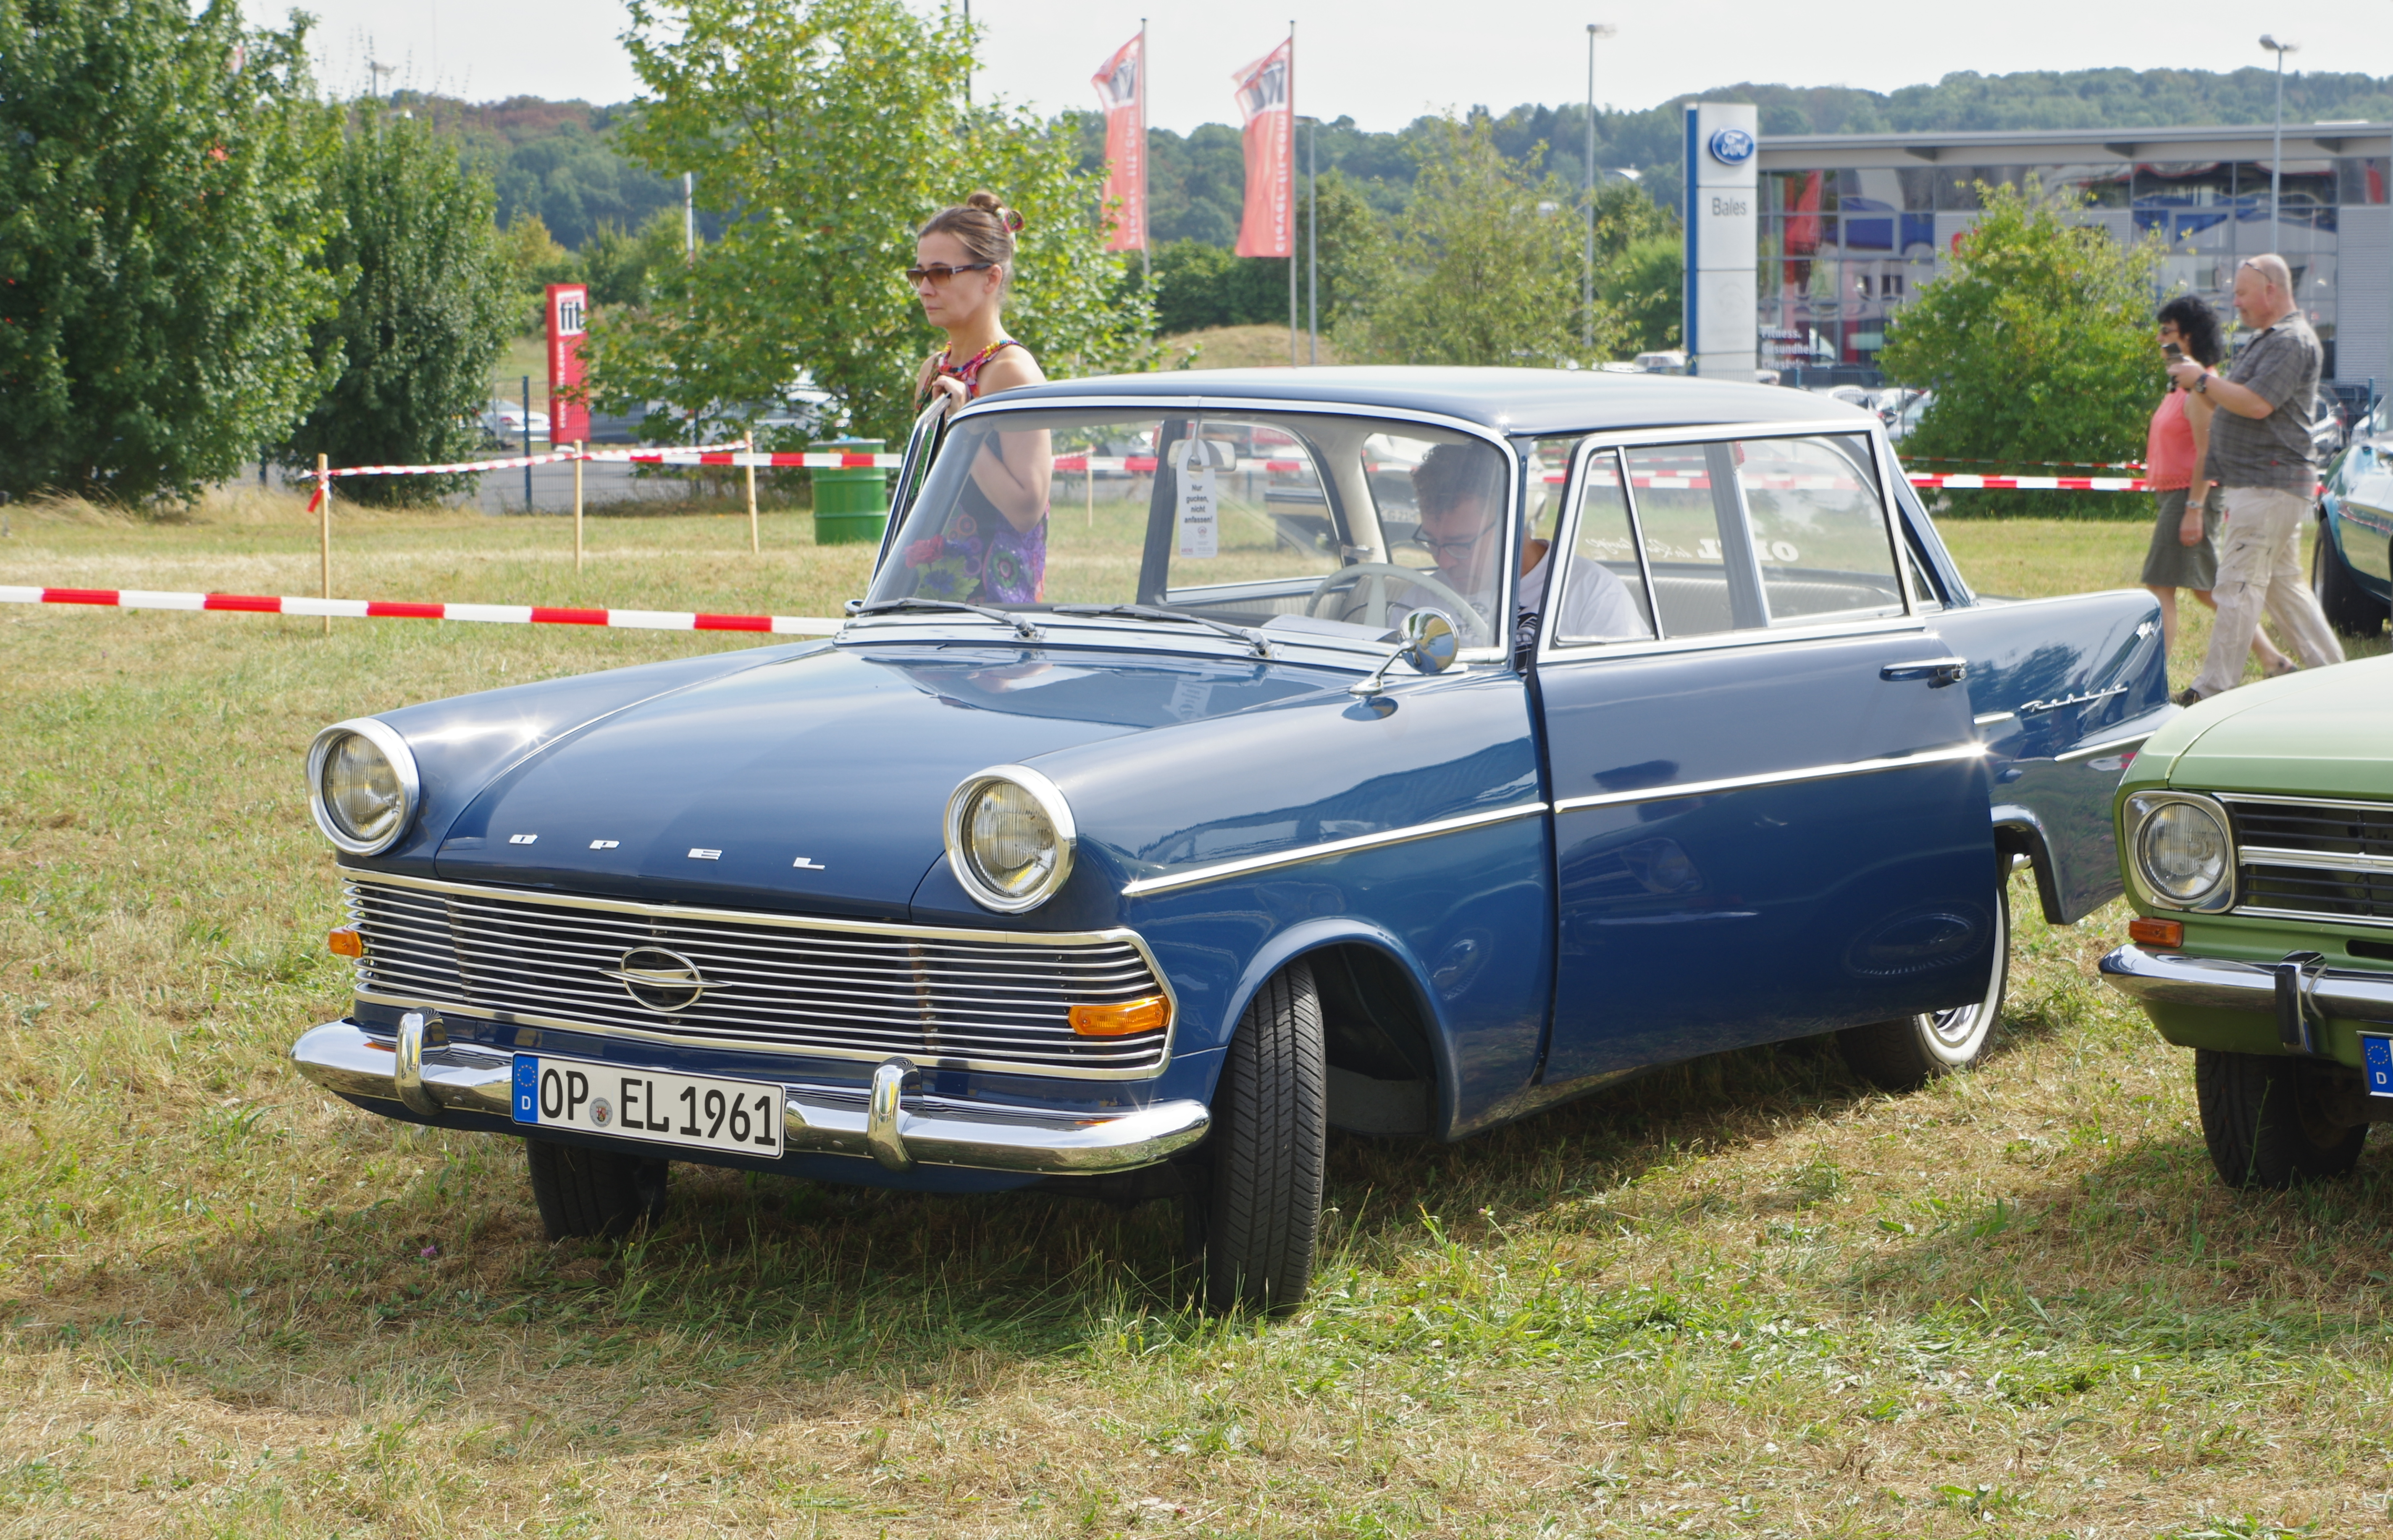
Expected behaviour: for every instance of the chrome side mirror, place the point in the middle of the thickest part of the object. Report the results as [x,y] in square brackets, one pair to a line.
[1429,645]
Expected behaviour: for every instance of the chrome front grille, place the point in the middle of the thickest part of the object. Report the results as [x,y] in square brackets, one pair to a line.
[841,988]
[2311,858]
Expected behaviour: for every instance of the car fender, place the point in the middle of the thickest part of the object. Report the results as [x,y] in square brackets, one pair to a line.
[1319,934]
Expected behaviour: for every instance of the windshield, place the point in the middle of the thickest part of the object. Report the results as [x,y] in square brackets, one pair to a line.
[1291,520]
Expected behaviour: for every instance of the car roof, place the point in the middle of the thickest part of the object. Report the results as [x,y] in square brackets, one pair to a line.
[1511,400]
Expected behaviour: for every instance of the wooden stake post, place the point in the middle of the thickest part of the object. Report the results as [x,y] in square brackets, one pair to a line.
[755,541]
[324,531]
[579,446]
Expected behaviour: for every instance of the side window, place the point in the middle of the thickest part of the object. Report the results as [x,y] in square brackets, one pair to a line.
[1246,504]
[1819,529]
[1603,585]
[1682,491]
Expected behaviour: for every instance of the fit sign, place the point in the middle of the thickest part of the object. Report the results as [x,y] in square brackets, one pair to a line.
[1723,195]
[569,317]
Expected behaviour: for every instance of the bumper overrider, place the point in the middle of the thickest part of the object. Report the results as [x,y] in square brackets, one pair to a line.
[2299,992]
[891,1122]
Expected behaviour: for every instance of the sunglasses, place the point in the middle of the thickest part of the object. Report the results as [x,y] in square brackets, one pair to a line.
[939,272]
[1460,547]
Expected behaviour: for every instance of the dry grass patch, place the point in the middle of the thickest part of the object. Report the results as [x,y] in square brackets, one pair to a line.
[1744,1297]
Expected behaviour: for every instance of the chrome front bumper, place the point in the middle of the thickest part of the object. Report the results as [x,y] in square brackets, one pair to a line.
[2300,992]
[891,1123]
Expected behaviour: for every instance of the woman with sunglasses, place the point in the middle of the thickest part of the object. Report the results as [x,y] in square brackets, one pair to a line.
[994,548]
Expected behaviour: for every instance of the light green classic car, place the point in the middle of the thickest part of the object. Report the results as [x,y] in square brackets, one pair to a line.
[2255,833]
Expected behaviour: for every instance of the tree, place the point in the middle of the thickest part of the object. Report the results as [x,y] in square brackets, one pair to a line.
[159,227]
[1488,261]
[828,131]
[427,309]
[2037,341]
[1645,287]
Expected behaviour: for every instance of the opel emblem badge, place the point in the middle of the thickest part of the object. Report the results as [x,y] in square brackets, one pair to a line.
[663,981]
[600,1113]
[1731,147]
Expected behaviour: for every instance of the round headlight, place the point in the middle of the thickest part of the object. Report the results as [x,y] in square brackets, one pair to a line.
[2183,853]
[1010,838]
[361,785]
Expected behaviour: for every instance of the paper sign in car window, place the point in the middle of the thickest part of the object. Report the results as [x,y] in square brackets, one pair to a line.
[1195,461]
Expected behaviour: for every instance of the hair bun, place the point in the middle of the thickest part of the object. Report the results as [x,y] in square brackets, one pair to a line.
[990,203]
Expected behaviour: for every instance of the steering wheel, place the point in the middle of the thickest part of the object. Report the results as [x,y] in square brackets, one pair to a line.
[1468,622]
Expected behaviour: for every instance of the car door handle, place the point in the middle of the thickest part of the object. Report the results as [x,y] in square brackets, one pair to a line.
[1938,671]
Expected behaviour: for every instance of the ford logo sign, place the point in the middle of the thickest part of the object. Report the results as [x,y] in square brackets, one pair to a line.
[1731,147]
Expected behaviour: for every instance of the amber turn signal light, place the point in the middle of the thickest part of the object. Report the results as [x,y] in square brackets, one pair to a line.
[2157,932]
[1148,1013]
[345,942]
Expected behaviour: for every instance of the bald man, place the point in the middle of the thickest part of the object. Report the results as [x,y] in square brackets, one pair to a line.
[2260,457]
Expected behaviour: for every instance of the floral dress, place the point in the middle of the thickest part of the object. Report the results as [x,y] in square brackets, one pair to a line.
[979,557]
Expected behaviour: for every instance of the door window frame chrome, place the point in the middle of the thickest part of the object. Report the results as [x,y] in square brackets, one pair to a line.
[1618,443]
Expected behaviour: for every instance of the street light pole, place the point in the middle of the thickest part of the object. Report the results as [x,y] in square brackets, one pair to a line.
[1587,279]
[2277,152]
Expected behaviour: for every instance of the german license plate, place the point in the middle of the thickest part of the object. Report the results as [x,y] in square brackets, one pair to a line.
[2376,1063]
[696,1112]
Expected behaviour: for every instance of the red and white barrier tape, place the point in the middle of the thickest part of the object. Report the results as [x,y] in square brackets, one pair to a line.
[2031,483]
[820,462]
[383,609]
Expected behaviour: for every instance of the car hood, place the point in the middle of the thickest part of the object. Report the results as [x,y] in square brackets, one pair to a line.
[820,782]
[2321,733]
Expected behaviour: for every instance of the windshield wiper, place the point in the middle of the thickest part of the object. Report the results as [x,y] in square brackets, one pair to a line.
[891,606]
[1148,612]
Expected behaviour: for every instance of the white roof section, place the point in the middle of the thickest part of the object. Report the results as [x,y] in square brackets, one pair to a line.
[2072,145]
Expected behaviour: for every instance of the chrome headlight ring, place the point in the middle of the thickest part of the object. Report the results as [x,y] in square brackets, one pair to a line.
[386,741]
[971,827]
[2165,830]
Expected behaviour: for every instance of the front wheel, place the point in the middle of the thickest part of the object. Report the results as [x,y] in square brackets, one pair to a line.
[1270,1141]
[2350,608]
[2265,1122]
[1906,1053]
[586,1192]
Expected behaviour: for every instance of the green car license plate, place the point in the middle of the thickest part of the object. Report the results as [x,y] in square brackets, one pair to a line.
[2376,1063]
[695,1112]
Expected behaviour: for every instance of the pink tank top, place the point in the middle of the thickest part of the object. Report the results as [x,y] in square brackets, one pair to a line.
[2168,448]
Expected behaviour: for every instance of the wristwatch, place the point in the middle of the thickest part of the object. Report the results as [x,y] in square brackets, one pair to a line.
[2202,385]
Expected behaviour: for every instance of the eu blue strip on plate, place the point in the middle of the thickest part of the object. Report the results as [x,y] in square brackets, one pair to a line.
[527,1089]
[2376,1059]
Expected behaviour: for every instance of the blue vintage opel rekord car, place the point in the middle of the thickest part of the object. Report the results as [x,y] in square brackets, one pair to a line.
[1219,760]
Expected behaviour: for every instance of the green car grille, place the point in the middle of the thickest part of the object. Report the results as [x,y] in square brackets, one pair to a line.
[2310,858]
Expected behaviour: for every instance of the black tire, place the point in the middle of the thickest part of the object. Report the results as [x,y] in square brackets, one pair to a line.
[1906,1053]
[2350,608]
[2265,1123]
[1269,1143]
[586,1192]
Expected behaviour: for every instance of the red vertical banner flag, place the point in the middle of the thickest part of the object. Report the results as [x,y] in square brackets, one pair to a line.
[1121,87]
[1267,98]
[568,318]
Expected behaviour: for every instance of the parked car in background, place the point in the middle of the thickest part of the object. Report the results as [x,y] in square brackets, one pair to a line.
[505,422]
[2330,424]
[2255,838]
[1237,813]
[2351,564]
[1907,416]
[1670,361]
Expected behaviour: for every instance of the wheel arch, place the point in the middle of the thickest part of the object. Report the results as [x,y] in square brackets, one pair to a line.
[1358,966]
[2018,833]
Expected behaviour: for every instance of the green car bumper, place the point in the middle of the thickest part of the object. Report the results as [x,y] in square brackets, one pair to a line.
[2294,1005]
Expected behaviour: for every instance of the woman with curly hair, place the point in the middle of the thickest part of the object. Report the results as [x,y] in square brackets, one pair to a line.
[994,546]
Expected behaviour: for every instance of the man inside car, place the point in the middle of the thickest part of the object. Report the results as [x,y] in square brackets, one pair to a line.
[1459,491]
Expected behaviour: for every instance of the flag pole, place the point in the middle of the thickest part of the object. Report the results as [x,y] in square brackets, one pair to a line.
[1288,194]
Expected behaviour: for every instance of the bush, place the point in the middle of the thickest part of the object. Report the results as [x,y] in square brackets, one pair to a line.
[427,312]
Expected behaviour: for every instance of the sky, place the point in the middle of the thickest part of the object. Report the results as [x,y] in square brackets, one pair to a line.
[1388,62]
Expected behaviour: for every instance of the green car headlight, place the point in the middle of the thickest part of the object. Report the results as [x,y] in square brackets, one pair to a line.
[363,785]
[1010,838]
[2183,854]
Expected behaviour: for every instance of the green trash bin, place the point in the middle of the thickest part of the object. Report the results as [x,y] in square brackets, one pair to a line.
[850,504]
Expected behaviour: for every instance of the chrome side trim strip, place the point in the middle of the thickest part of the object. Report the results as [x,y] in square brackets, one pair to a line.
[1189,878]
[1989,718]
[818,1120]
[1951,751]
[2110,746]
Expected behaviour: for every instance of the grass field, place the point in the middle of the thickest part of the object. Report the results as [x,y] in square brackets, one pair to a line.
[1743,1298]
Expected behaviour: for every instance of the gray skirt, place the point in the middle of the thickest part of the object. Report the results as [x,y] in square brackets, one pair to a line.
[2173,564]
